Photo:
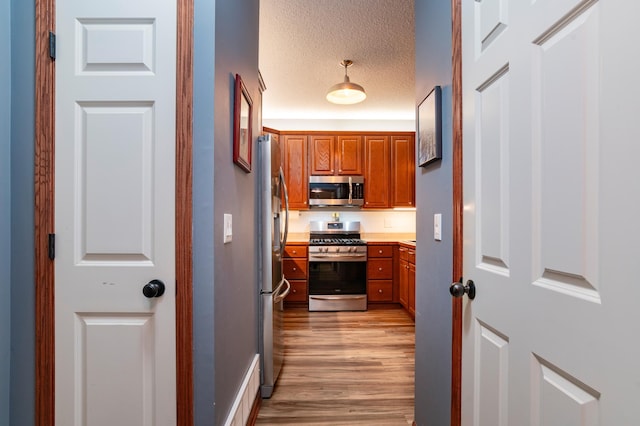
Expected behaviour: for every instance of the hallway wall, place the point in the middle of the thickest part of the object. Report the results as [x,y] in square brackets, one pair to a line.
[22,404]
[225,275]
[434,194]
[5,208]
[235,192]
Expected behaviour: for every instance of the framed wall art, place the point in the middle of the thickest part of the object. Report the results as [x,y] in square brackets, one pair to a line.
[242,118]
[430,128]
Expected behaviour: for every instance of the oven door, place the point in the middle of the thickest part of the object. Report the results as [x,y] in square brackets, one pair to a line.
[337,286]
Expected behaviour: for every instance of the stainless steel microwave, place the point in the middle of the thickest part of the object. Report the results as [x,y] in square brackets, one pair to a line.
[336,191]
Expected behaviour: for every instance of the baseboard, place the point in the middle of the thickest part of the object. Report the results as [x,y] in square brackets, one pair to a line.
[242,406]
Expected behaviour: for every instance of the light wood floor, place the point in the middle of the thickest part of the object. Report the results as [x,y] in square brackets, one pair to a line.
[344,368]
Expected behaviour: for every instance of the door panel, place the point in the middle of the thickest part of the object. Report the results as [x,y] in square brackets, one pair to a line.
[545,103]
[115,212]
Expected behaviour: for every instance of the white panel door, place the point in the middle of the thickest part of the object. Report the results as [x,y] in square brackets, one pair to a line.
[114,218]
[551,212]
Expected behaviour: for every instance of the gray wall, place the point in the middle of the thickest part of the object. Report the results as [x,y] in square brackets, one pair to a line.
[22,257]
[203,216]
[5,216]
[236,291]
[225,275]
[434,194]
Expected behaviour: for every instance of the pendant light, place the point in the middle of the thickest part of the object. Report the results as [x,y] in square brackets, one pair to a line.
[346,93]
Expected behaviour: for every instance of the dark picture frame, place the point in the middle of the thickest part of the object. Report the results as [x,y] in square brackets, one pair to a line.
[242,119]
[430,128]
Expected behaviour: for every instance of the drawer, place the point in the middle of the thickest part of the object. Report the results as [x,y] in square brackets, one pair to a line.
[403,253]
[295,269]
[379,269]
[380,291]
[298,292]
[380,251]
[295,251]
[411,256]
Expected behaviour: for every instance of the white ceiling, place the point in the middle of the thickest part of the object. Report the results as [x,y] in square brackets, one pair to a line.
[303,41]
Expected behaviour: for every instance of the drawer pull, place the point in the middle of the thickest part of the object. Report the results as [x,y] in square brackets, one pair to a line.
[294,268]
[380,290]
[293,290]
[380,251]
[379,269]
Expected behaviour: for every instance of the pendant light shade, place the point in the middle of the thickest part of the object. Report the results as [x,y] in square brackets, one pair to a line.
[346,93]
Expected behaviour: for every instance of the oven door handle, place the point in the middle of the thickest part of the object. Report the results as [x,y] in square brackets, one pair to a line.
[340,297]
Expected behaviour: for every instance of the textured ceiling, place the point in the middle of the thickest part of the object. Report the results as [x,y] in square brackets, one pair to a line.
[303,41]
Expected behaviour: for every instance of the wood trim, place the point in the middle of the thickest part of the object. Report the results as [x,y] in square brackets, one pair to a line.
[184,214]
[44,214]
[456,350]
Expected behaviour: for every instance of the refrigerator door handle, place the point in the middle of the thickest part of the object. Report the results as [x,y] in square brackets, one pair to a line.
[286,209]
[284,293]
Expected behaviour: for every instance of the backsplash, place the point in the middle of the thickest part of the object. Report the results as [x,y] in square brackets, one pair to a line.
[388,221]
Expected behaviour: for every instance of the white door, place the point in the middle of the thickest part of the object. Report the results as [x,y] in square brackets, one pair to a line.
[551,212]
[114,212]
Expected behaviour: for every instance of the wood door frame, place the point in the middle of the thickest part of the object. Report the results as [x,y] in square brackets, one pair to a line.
[456,343]
[44,202]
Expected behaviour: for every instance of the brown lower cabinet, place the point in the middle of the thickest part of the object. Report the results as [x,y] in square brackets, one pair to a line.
[407,279]
[296,272]
[380,273]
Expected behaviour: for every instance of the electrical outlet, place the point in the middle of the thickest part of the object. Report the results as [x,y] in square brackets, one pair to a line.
[228,228]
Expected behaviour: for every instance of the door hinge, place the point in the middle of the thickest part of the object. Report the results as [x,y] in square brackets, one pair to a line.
[52,45]
[52,246]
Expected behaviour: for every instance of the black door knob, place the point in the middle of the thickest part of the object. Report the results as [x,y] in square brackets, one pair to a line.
[458,289]
[154,288]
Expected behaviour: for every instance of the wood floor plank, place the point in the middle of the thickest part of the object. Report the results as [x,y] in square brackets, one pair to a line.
[344,368]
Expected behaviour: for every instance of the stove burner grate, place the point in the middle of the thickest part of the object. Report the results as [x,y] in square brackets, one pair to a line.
[336,242]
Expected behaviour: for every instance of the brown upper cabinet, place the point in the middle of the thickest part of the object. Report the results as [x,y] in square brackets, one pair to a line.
[294,152]
[389,171]
[403,180]
[376,175]
[385,159]
[335,155]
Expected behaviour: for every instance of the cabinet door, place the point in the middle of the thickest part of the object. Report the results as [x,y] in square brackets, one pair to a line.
[412,289]
[376,176]
[321,155]
[295,170]
[402,171]
[349,155]
[403,288]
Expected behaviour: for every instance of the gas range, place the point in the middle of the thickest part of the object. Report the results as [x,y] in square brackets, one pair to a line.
[337,267]
[336,241]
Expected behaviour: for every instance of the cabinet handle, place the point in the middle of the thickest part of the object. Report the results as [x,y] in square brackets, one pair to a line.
[294,268]
[379,269]
[293,290]
[295,252]
[379,290]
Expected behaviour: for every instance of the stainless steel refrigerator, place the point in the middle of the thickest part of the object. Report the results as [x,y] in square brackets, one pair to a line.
[274,219]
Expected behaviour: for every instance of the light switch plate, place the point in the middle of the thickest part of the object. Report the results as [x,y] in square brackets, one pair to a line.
[228,228]
[437,227]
